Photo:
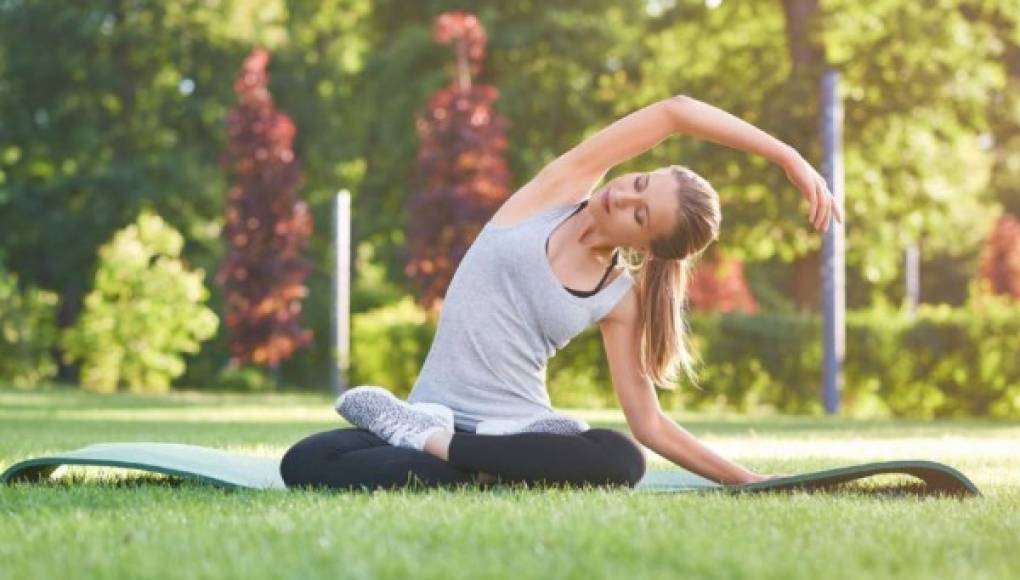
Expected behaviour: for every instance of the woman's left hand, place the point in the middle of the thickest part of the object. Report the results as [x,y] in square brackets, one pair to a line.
[813,188]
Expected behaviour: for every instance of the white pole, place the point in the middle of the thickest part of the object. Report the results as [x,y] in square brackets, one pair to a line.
[913,269]
[341,319]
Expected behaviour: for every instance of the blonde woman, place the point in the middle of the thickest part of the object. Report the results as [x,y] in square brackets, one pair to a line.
[479,409]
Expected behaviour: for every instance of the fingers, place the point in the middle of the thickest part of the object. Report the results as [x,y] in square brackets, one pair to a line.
[823,206]
[830,208]
[815,205]
[818,218]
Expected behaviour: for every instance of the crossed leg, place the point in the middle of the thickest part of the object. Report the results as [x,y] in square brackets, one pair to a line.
[355,458]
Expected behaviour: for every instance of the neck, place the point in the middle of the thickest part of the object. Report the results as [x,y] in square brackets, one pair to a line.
[582,229]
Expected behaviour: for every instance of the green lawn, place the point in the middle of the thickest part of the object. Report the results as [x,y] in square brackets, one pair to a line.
[112,524]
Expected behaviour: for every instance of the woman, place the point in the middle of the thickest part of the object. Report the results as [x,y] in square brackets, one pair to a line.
[479,409]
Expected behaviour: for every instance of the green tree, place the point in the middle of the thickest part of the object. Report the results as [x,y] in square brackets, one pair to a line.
[145,310]
[99,103]
[28,331]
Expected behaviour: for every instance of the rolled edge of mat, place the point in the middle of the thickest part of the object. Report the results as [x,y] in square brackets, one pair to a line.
[938,477]
[39,468]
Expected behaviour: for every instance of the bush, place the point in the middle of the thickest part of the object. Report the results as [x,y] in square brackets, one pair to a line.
[389,345]
[28,330]
[144,310]
[245,378]
[940,361]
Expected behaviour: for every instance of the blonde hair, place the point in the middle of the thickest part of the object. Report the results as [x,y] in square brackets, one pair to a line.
[663,274]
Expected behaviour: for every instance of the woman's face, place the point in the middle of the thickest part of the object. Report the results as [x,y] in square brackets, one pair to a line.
[636,208]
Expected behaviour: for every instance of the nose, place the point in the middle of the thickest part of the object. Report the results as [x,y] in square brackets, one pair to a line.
[623,198]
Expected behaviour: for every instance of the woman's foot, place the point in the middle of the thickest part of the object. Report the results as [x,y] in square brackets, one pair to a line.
[545,423]
[399,423]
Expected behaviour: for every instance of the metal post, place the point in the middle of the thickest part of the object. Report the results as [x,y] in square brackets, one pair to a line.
[913,281]
[341,318]
[833,264]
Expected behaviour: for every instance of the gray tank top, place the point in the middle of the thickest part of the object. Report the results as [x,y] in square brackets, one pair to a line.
[505,313]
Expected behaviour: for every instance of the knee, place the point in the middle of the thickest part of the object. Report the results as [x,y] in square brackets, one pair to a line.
[306,461]
[293,465]
[625,462]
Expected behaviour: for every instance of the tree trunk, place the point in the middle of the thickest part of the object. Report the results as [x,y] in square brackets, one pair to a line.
[807,55]
[68,310]
[274,375]
[806,283]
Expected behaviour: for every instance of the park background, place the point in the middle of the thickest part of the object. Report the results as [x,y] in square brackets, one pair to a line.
[202,145]
[168,171]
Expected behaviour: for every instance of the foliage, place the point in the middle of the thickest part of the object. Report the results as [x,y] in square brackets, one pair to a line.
[1003,139]
[28,329]
[719,284]
[248,379]
[1000,267]
[145,310]
[106,108]
[941,361]
[392,343]
[461,174]
[266,226]
[109,107]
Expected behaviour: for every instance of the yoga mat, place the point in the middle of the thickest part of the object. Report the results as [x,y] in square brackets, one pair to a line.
[245,471]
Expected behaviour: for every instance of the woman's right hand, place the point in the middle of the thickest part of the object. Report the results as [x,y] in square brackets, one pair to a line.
[758,477]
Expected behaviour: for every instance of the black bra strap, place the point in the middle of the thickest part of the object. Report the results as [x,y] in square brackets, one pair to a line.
[616,255]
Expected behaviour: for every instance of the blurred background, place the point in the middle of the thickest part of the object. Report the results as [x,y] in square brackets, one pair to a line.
[168,172]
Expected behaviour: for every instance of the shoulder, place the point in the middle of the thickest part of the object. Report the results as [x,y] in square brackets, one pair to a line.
[558,184]
[626,312]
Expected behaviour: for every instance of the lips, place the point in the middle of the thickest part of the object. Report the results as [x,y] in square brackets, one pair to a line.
[605,200]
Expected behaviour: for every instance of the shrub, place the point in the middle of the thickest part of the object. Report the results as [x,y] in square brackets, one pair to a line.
[248,379]
[144,310]
[943,361]
[28,330]
[940,361]
[389,345]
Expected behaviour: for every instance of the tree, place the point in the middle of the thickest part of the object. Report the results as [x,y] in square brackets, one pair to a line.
[106,108]
[462,175]
[145,309]
[266,226]
[719,285]
[1000,266]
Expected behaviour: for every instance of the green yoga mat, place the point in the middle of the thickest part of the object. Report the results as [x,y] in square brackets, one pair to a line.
[234,470]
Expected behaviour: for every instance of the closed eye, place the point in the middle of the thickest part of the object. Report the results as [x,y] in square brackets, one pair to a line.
[637,180]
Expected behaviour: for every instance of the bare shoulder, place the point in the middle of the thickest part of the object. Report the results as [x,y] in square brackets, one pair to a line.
[557,184]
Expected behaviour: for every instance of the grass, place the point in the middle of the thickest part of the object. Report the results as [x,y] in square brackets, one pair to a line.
[116,524]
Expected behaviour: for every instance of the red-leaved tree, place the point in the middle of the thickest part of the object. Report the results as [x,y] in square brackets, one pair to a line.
[461,174]
[266,226]
[719,285]
[1000,262]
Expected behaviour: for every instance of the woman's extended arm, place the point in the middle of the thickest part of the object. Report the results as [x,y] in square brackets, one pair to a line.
[694,117]
[651,427]
[674,443]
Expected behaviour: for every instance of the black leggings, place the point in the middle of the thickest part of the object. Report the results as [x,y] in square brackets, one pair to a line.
[355,458]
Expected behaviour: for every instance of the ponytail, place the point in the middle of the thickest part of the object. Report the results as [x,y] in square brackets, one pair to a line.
[663,275]
[662,292]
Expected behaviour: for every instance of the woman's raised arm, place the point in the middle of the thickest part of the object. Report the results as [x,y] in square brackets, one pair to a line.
[643,129]
[699,119]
